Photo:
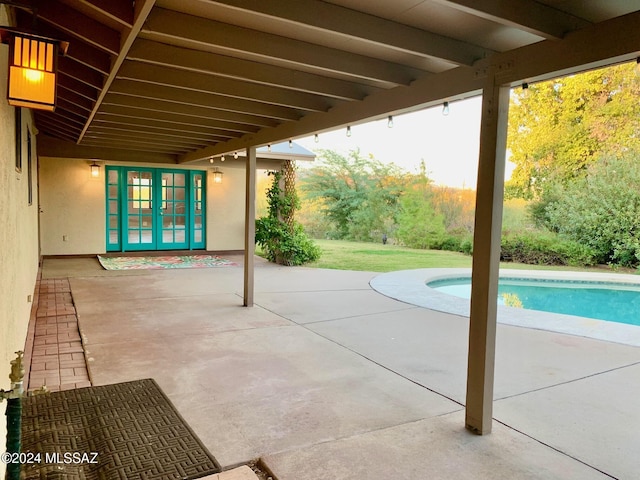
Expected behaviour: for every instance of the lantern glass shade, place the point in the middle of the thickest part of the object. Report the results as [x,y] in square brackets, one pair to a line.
[32,72]
[95,170]
[217,176]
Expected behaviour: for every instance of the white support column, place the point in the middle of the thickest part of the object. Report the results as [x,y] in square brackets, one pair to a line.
[486,257]
[249,226]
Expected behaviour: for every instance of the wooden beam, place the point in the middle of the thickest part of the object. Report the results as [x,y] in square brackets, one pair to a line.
[200,82]
[198,124]
[486,257]
[237,68]
[200,99]
[528,15]
[53,147]
[165,106]
[199,33]
[354,26]
[167,128]
[141,12]
[79,26]
[602,44]
[249,226]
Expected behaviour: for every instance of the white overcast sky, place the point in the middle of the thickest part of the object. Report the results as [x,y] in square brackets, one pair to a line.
[448,144]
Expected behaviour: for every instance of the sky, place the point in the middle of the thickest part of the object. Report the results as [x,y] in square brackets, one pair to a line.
[449,144]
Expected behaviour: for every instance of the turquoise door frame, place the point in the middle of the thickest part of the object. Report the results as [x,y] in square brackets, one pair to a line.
[155,209]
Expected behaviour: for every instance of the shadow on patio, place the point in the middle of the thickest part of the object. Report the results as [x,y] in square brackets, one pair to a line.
[325,378]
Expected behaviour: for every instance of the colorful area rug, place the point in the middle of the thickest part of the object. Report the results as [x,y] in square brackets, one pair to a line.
[122,431]
[170,261]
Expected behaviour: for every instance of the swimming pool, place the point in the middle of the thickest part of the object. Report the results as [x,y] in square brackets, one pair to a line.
[412,287]
[614,302]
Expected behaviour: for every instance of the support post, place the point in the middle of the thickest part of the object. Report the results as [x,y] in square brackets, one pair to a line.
[486,257]
[249,226]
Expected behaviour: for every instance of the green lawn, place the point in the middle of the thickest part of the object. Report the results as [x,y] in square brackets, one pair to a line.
[375,257]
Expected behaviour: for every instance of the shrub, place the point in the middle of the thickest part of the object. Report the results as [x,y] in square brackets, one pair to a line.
[283,243]
[537,248]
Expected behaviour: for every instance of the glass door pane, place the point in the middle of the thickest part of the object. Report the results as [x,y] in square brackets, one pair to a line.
[173,210]
[197,210]
[139,210]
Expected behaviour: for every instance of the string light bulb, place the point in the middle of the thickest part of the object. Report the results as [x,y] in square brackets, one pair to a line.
[349,131]
[390,121]
[211,159]
[316,138]
[235,155]
[290,143]
[269,148]
[445,108]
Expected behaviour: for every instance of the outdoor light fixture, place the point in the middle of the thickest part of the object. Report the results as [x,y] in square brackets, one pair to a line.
[217,175]
[445,108]
[235,155]
[95,169]
[349,131]
[269,148]
[222,158]
[33,62]
[390,121]
[211,159]
[316,138]
[290,143]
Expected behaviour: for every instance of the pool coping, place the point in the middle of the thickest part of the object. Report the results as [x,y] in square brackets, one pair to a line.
[410,286]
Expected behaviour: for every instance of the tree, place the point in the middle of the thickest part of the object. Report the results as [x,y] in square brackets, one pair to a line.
[359,195]
[602,210]
[282,238]
[558,128]
[418,224]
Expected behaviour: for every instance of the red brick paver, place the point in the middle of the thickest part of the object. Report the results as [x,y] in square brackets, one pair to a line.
[57,355]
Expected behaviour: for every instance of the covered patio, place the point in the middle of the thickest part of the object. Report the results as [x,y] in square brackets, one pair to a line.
[175,87]
[326,378]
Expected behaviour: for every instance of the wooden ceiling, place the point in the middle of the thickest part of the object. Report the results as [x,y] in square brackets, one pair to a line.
[178,80]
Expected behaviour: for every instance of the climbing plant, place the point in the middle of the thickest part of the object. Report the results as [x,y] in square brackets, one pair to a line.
[280,236]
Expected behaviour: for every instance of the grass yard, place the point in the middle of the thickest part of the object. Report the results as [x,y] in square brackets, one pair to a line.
[375,257]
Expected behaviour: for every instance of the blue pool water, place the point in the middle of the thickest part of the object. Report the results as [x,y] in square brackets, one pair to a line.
[613,302]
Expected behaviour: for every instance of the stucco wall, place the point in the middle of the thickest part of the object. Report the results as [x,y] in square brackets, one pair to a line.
[73,207]
[225,211]
[72,220]
[19,240]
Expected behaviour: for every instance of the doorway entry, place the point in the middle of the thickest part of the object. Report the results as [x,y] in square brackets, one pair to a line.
[155,209]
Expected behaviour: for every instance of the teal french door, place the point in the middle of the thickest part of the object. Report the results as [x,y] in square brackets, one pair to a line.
[155,209]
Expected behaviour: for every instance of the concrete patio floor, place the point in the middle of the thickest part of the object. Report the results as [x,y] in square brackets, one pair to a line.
[327,379]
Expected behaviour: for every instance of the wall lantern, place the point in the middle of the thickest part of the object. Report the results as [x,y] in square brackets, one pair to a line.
[33,62]
[95,169]
[217,175]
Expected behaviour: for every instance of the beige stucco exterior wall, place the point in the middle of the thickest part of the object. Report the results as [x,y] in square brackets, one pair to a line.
[72,218]
[225,211]
[74,207]
[18,237]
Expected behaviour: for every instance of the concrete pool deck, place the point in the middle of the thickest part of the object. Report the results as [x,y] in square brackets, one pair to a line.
[410,286]
[325,378]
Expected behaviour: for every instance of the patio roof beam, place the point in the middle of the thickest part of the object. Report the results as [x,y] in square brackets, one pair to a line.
[53,147]
[596,46]
[239,89]
[116,113]
[152,132]
[168,128]
[72,97]
[141,12]
[529,15]
[79,26]
[353,26]
[167,106]
[81,89]
[120,11]
[132,145]
[202,34]
[155,53]
[200,99]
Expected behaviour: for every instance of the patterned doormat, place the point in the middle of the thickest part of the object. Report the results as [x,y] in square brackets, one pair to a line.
[123,431]
[169,261]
